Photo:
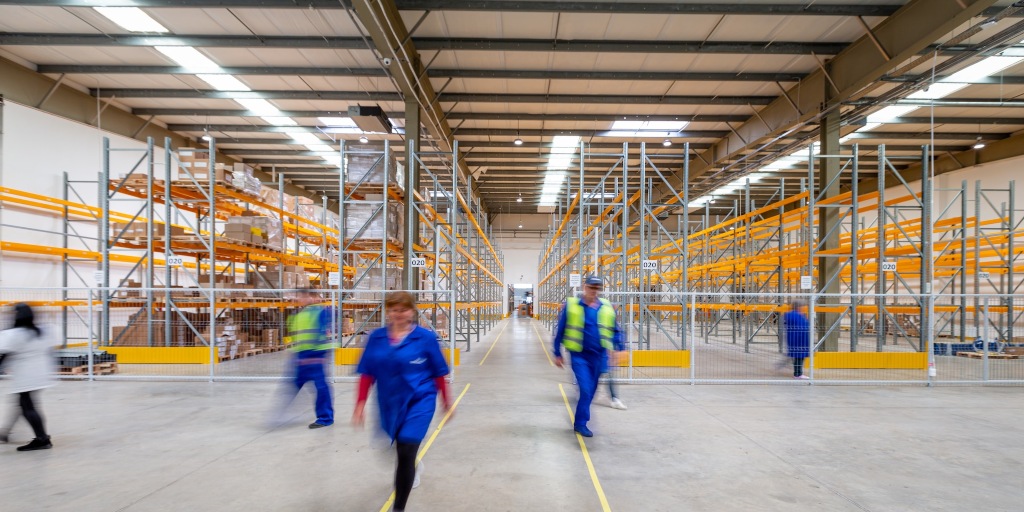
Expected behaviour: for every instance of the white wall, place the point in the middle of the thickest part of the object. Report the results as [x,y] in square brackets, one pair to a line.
[37,149]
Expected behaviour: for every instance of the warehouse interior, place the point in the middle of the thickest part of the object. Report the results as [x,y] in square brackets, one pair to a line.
[174,173]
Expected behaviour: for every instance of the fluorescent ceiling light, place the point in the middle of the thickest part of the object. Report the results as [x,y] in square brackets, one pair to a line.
[188,57]
[889,113]
[304,137]
[985,68]
[565,141]
[550,189]
[319,147]
[224,82]
[131,19]
[338,122]
[279,121]
[554,178]
[258,106]
[559,162]
[1015,51]
[936,91]
[656,129]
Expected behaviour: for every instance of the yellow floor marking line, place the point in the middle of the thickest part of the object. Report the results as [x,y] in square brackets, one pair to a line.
[586,456]
[542,347]
[423,451]
[494,343]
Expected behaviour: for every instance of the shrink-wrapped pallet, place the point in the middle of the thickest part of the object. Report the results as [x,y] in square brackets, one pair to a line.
[373,169]
[372,283]
[371,216]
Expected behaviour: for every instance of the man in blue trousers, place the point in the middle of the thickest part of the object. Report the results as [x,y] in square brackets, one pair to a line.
[588,329]
[307,339]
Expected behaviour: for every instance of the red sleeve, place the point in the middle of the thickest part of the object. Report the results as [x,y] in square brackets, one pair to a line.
[365,382]
[442,386]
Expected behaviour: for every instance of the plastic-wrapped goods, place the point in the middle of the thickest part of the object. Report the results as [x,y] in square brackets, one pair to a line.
[369,169]
[372,285]
[247,184]
[371,216]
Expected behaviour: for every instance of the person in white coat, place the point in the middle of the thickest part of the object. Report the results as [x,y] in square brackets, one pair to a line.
[29,361]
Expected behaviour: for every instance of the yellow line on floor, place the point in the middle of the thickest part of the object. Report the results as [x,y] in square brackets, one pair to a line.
[494,343]
[423,451]
[586,456]
[542,347]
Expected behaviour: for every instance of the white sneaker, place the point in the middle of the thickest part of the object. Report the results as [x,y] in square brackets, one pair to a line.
[416,479]
[615,403]
[802,377]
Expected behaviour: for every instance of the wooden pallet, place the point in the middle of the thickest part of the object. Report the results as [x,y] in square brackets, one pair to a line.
[97,369]
[991,355]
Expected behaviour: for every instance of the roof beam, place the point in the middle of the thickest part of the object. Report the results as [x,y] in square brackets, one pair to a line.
[446,98]
[856,70]
[469,116]
[436,43]
[504,74]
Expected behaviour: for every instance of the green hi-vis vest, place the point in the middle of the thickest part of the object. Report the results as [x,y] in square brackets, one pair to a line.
[575,317]
[304,331]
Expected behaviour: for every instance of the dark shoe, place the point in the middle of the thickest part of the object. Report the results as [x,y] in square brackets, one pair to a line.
[39,443]
[3,438]
[584,431]
[319,425]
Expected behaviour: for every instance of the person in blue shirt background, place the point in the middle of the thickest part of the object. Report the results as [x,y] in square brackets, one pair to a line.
[798,337]
[307,339]
[589,330]
[406,363]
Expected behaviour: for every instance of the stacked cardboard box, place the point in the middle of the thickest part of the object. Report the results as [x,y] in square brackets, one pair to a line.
[369,169]
[372,216]
[291,277]
[193,160]
[270,338]
[371,285]
[255,229]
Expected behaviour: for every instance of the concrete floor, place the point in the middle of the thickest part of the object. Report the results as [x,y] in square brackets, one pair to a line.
[157,446]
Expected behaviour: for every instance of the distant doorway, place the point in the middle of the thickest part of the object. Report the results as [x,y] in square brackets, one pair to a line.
[522,299]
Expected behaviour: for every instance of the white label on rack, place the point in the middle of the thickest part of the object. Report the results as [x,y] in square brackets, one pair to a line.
[575,280]
[888,266]
[806,283]
[984,275]
[333,278]
[97,277]
[175,261]
[649,264]
[417,262]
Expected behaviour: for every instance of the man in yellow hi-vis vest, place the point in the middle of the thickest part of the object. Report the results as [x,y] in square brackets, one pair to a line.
[588,329]
[307,339]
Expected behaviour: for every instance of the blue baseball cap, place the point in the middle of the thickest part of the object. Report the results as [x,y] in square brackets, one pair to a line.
[594,281]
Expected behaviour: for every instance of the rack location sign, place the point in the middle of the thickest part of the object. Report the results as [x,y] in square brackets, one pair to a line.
[888,266]
[649,264]
[575,280]
[334,278]
[806,283]
[984,275]
[417,262]
[175,261]
[97,276]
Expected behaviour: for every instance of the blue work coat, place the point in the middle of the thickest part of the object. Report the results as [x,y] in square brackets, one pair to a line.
[405,375]
[798,339]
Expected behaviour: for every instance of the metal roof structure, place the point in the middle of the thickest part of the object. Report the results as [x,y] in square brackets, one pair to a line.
[744,83]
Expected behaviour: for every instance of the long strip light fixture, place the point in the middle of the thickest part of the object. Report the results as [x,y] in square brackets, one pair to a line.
[134,19]
[938,90]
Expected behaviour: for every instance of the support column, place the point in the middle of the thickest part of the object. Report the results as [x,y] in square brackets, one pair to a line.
[410,275]
[828,235]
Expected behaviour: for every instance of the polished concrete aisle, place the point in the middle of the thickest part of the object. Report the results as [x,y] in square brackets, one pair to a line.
[163,446]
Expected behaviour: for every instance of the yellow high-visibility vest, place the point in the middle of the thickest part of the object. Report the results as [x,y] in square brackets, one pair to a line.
[575,318]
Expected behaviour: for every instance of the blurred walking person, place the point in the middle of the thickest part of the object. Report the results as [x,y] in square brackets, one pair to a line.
[308,341]
[798,339]
[28,359]
[588,328]
[406,363]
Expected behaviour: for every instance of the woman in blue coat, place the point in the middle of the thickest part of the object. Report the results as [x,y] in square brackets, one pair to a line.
[798,339]
[406,363]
